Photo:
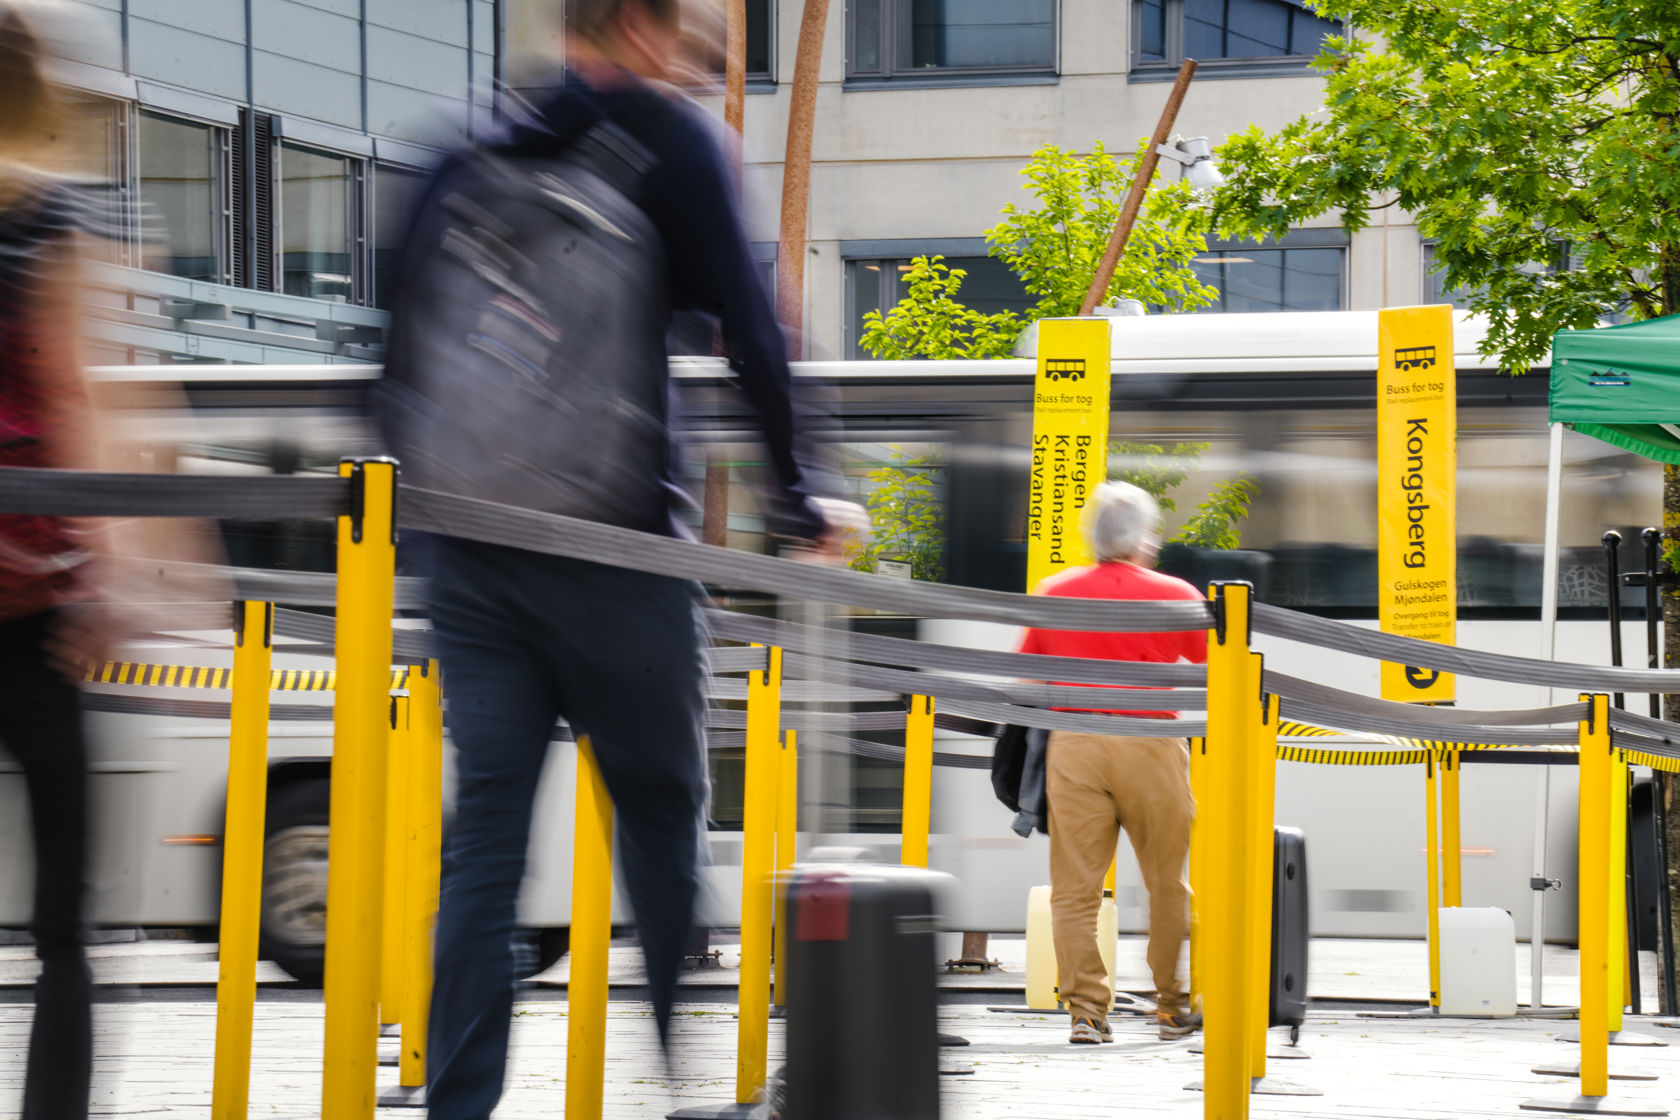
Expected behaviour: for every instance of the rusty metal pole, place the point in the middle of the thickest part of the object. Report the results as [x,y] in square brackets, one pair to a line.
[735,68]
[1134,197]
[796,174]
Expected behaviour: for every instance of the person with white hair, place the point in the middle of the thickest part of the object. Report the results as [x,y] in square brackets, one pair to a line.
[1100,784]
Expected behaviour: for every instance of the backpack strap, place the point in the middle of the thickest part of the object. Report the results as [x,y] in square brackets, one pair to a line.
[608,150]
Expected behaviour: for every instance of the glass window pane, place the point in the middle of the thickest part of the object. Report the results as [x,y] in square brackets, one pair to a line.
[865,283]
[1152,30]
[866,36]
[1256,28]
[315,224]
[395,194]
[758,38]
[1312,279]
[990,286]
[1308,32]
[1204,28]
[179,198]
[977,34]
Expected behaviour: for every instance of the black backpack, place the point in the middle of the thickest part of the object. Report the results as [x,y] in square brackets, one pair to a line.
[527,353]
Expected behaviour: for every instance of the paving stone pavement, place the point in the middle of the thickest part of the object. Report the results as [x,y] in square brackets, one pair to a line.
[155,1060]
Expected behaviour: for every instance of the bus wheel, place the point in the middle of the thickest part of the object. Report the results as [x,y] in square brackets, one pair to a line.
[294,889]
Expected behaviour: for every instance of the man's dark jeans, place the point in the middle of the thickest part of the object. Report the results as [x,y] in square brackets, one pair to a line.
[41,727]
[526,639]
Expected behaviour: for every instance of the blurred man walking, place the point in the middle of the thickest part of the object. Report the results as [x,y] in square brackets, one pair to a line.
[1098,784]
[528,367]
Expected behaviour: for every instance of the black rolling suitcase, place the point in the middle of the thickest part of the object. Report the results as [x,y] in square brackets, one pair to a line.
[1289,929]
[862,1030]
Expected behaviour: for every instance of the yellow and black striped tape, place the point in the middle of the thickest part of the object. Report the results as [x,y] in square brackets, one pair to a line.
[200,676]
[1325,756]
[1654,761]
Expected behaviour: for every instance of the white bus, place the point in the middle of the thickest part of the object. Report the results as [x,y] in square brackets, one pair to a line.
[1285,399]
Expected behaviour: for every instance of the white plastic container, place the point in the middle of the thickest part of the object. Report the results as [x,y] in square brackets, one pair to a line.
[1478,962]
[1041,948]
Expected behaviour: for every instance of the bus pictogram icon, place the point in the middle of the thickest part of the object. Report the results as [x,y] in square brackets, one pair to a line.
[1414,357]
[1064,369]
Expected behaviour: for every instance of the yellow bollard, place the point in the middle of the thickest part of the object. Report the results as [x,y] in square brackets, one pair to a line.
[242,860]
[758,855]
[1261,827]
[1452,838]
[787,838]
[1432,878]
[1616,985]
[1198,866]
[396,859]
[916,820]
[1595,894]
[366,574]
[586,992]
[423,865]
[1233,720]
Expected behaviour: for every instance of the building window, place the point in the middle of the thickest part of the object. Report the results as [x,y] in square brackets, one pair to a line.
[319,217]
[183,199]
[97,161]
[878,285]
[396,192]
[761,41]
[1227,34]
[922,38]
[1268,278]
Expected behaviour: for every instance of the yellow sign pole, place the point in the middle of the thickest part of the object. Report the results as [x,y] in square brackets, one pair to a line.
[391,972]
[1070,440]
[1597,772]
[1432,881]
[586,994]
[355,896]
[422,867]
[758,865]
[236,981]
[787,837]
[916,819]
[1417,465]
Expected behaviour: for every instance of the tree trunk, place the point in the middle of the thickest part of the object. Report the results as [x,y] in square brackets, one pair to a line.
[796,174]
[1666,797]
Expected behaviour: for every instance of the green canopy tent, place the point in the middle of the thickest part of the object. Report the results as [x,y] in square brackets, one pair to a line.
[1621,385]
[1618,384]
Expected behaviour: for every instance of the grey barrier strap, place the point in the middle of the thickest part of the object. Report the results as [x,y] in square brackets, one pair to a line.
[1334,718]
[1659,730]
[183,580]
[196,709]
[1331,634]
[406,644]
[1358,705]
[1663,747]
[814,721]
[738,659]
[492,523]
[963,725]
[957,659]
[888,753]
[1133,727]
[70,493]
[903,683]
[798,692]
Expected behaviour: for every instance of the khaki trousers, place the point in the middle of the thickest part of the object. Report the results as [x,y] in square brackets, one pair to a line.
[1097,785]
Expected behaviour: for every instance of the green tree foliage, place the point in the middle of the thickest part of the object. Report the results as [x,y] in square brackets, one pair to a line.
[907,515]
[1513,133]
[929,322]
[1214,524]
[1054,246]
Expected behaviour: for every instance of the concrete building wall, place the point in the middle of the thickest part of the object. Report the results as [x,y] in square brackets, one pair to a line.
[918,162]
